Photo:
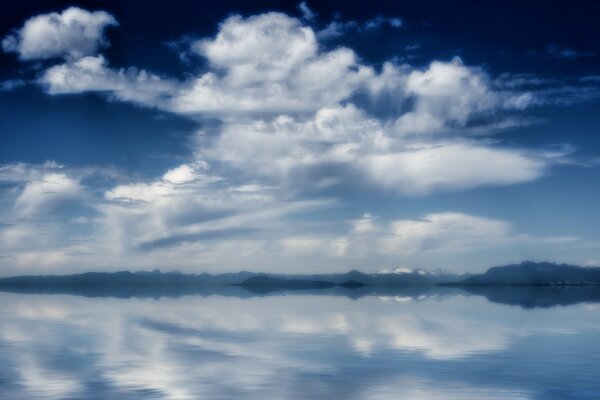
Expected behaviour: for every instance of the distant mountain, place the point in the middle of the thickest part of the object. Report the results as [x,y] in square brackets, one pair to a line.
[101,281]
[535,273]
[403,276]
[527,284]
[397,270]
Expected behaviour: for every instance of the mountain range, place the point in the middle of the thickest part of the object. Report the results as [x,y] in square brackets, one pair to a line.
[525,273]
[531,273]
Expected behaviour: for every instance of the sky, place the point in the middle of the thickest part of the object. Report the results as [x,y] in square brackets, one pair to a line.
[298,136]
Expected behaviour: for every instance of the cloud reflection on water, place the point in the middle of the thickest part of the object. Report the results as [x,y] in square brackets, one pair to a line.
[304,346]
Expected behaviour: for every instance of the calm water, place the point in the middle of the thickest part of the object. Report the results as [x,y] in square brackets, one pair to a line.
[302,346]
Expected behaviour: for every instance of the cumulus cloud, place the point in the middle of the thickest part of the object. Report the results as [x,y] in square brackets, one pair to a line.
[269,63]
[343,145]
[91,74]
[41,197]
[272,64]
[445,93]
[71,34]
[184,173]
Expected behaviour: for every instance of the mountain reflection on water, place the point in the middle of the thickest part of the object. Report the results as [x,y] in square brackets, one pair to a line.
[429,343]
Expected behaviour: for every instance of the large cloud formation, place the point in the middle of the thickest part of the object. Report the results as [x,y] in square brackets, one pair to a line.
[295,119]
[287,108]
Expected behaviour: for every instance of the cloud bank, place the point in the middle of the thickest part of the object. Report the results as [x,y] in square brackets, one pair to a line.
[299,123]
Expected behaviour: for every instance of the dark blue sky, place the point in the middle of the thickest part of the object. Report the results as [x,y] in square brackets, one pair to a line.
[278,135]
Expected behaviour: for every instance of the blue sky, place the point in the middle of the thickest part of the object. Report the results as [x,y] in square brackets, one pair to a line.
[297,137]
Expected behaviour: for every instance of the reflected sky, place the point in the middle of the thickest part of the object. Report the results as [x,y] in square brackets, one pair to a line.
[295,347]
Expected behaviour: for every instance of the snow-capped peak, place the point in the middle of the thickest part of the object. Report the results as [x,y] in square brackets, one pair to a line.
[397,270]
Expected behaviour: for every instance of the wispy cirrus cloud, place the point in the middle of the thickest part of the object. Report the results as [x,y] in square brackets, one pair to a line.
[557,51]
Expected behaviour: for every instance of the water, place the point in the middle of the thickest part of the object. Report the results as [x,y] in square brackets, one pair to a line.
[449,345]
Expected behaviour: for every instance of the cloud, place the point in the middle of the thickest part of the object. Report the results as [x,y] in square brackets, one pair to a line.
[41,197]
[187,207]
[91,74]
[449,166]
[215,224]
[438,232]
[445,94]
[11,84]
[203,335]
[343,145]
[307,13]
[269,63]
[272,64]
[295,119]
[445,234]
[379,20]
[337,28]
[184,173]
[456,231]
[556,51]
[72,34]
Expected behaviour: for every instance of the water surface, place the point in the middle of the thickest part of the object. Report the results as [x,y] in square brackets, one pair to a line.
[447,345]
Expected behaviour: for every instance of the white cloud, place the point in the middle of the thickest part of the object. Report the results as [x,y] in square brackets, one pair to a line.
[91,73]
[41,197]
[293,118]
[446,233]
[445,94]
[269,63]
[186,209]
[182,174]
[265,47]
[263,365]
[344,146]
[452,166]
[272,64]
[442,231]
[72,34]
